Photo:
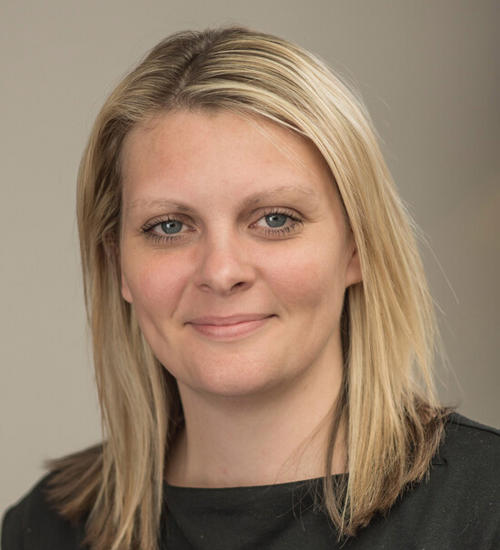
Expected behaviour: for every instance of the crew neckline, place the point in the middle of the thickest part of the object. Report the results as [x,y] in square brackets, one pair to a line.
[282,485]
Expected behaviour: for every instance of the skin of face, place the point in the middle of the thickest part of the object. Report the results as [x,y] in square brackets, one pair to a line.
[227,256]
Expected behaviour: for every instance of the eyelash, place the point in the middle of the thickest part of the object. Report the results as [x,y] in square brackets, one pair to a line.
[147,229]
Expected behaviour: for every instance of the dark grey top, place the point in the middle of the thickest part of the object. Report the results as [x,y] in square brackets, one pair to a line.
[456,508]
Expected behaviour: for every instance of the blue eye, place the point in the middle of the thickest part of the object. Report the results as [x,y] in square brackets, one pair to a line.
[166,226]
[276,219]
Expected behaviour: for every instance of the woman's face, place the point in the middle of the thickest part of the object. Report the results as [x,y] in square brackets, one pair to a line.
[225,216]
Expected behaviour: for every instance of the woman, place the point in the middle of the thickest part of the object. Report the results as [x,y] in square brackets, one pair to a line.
[262,327]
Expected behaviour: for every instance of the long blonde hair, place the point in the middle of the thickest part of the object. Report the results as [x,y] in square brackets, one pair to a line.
[388,328]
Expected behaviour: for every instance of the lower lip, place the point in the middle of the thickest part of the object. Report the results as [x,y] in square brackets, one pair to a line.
[225,332]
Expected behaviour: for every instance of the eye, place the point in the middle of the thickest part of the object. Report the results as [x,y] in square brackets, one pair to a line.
[276,222]
[280,222]
[170,227]
[166,229]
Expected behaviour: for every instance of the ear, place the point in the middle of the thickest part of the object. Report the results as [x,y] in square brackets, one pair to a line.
[353,270]
[112,250]
[125,290]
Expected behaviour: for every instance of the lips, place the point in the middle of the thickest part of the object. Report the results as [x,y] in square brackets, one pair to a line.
[229,320]
[227,328]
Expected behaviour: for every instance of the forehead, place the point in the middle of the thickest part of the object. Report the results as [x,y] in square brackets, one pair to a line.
[207,151]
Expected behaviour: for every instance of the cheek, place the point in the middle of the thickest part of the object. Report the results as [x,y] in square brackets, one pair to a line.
[155,284]
[308,279]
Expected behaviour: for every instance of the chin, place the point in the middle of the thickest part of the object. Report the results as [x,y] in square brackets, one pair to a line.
[234,378]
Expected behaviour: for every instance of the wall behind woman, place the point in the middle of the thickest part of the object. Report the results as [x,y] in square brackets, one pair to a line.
[430,77]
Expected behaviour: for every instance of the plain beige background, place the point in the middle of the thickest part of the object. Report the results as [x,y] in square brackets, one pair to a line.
[429,73]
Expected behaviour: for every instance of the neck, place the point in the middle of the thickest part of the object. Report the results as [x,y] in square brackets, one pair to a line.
[275,437]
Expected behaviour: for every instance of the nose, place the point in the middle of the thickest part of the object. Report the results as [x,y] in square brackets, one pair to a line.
[224,265]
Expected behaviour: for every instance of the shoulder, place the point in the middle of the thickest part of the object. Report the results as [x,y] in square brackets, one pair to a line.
[32,523]
[456,504]
[461,495]
[469,446]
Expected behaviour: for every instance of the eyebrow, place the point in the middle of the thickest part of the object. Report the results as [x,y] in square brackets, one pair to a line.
[259,197]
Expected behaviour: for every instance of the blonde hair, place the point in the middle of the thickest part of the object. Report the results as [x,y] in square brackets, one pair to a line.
[388,328]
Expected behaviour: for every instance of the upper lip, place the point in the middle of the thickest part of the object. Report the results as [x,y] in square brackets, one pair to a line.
[229,320]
